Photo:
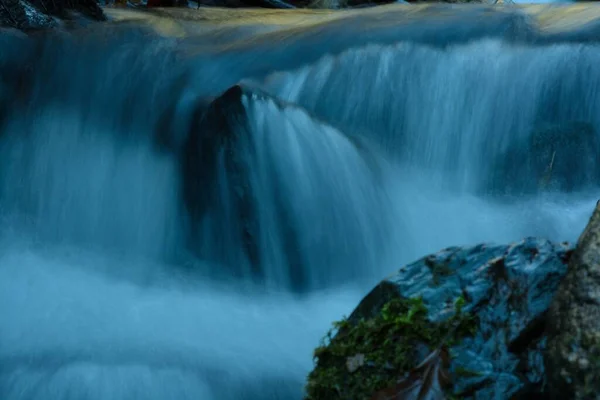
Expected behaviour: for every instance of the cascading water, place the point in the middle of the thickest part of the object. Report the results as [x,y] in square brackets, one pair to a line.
[494,96]
[155,230]
[289,188]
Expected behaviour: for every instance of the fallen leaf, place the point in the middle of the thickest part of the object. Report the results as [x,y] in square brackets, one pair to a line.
[425,382]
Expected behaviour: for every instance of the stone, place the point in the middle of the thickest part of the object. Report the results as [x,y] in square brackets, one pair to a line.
[215,146]
[502,294]
[254,166]
[573,354]
[38,15]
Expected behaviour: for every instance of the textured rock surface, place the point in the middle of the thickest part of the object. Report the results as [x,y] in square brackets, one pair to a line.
[573,355]
[47,14]
[507,288]
[22,15]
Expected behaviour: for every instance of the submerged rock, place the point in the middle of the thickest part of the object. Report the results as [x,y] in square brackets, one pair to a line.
[573,355]
[555,157]
[213,170]
[486,304]
[286,190]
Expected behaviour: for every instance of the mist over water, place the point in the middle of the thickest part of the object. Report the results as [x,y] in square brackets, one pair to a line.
[359,163]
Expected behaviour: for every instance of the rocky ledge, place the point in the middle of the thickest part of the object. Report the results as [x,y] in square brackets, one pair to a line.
[464,323]
[33,15]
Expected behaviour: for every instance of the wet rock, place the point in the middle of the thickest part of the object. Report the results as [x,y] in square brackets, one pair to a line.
[267,177]
[218,169]
[63,8]
[573,354]
[556,156]
[213,170]
[504,292]
[37,19]
[13,15]
[46,14]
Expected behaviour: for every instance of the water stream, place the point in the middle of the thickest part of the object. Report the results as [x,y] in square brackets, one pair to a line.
[156,246]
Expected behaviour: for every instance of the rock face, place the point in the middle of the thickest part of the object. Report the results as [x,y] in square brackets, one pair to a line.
[46,14]
[486,304]
[573,356]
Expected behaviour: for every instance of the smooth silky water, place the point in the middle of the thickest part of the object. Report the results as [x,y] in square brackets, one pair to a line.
[377,155]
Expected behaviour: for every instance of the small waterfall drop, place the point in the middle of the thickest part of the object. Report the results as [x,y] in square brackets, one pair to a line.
[464,110]
[291,189]
[167,233]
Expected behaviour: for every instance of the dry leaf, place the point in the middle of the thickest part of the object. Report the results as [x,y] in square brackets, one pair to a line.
[425,382]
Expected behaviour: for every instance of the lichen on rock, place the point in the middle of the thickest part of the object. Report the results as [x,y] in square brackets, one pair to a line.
[573,355]
[487,304]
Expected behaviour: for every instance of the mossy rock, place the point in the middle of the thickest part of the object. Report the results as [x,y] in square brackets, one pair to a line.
[370,354]
[486,304]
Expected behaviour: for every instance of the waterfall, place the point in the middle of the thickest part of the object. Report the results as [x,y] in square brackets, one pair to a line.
[276,190]
[186,225]
[464,111]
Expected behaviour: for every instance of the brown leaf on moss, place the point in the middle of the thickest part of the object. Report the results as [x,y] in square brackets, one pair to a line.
[425,382]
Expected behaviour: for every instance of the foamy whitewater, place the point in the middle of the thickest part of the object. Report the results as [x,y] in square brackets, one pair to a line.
[363,161]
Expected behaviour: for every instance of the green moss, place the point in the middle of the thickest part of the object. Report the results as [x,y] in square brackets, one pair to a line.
[389,342]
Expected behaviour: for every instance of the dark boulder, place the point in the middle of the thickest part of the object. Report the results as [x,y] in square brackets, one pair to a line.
[213,170]
[217,187]
[267,177]
[573,355]
[485,304]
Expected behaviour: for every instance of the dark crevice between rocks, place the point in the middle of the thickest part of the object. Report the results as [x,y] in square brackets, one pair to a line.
[532,333]
[566,255]
[498,270]
[531,338]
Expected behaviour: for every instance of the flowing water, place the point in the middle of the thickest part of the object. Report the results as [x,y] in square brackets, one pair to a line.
[132,267]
